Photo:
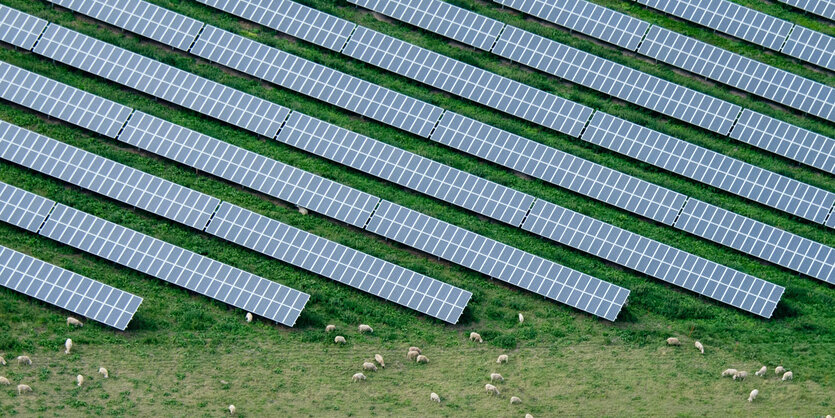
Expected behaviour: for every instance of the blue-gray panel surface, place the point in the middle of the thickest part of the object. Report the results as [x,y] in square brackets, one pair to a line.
[825,8]
[811,46]
[20,29]
[23,209]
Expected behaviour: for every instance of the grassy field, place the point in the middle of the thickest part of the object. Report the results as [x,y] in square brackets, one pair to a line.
[179,347]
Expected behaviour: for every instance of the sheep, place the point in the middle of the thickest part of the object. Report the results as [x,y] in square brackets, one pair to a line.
[339,339]
[379,359]
[365,328]
[492,389]
[673,341]
[422,359]
[475,337]
[515,400]
[521,318]
[23,389]
[528,416]
[700,347]
[741,375]
[502,359]
[104,372]
[779,370]
[495,376]
[761,371]
[232,409]
[728,372]
[79,379]
[74,322]
[249,317]
[415,349]
[369,366]
[434,396]
[68,346]
[357,377]
[412,355]
[2,361]
[4,381]
[24,360]
[330,328]
[302,210]
[787,376]
[753,395]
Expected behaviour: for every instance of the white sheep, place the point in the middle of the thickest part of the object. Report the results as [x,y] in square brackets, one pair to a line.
[104,372]
[2,361]
[502,359]
[365,328]
[761,371]
[249,317]
[779,370]
[369,366]
[422,359]
[515,400]
[673,341]
[741,375]
[232,409]
[23,389]
[412,355]
[24,360]
[700,347]
[67,346]
[521,318]
[4,381]
[80,380]
[528,416]
[728,372]
[74,322]
[495,376]
[415,349]
[302,210]
[475,337]
[339,339]
[491,389]
[357,377]
[434,396]
[787,376]
[379,359]
[330,328]
[753,395]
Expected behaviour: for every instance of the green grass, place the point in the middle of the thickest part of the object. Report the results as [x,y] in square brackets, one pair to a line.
[179,346]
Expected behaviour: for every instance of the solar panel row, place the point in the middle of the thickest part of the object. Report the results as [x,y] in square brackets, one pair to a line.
[825,8]
[67,290]
[23,209]
[20,29]
[811,46]
[654,258]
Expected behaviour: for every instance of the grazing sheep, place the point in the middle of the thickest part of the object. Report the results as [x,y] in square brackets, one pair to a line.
[787,376]
[24,360]
[104,372]
[700,347]
[728,372]
[761,371]
[379,359]
[339,339]
[68,346]
[475,337]
[515,400]
[741,375]
[365,328]
[422,359]
[232,409]
[4,381]
[491,389]
[412,355]
[528,416]
[249,317]
[753,395]
[74,322]
[330,328]
[673,341]
[521,318]
[369,366]
[434,396]
[502,359]
[2,361]
[302,210]
[415,349]
[357,377]
[79,379]
[23,389]
[495,376]
[779,370]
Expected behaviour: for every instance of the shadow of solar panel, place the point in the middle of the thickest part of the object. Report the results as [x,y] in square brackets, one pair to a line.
[442,18]
[61,101]
[175,265]
[249,169]
[786,140]
[106,177]
[654,259]
[558,168]
[20,29]
[23,209]
[161,80]
[315,80]
[406,169]
[758,239]
[67,290]
[727,17]
[737,71]
[587,18]
[467,81]
[292,18]
[825,8]
[146,19]
[498,260]
[616,80]
[811,46]
[340,263]
[709,167]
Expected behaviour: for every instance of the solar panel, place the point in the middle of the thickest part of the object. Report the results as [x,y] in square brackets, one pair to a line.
[20,29]
[654,259]
[292,18]
[406,169]
[498,260]
[709,167]
[107,177]
[740,72]
[23,209]
[317,81]
[249,169]
[468,81]
[161,80]
[758,239]
[785,139]
[175,265]
[442,18]
[67,290]
[811,46]
[340,263]
[559,168]
[727,17]
[587,18]
[831,221]
[146,19]
[825,8]
[61,101]
[616,80]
